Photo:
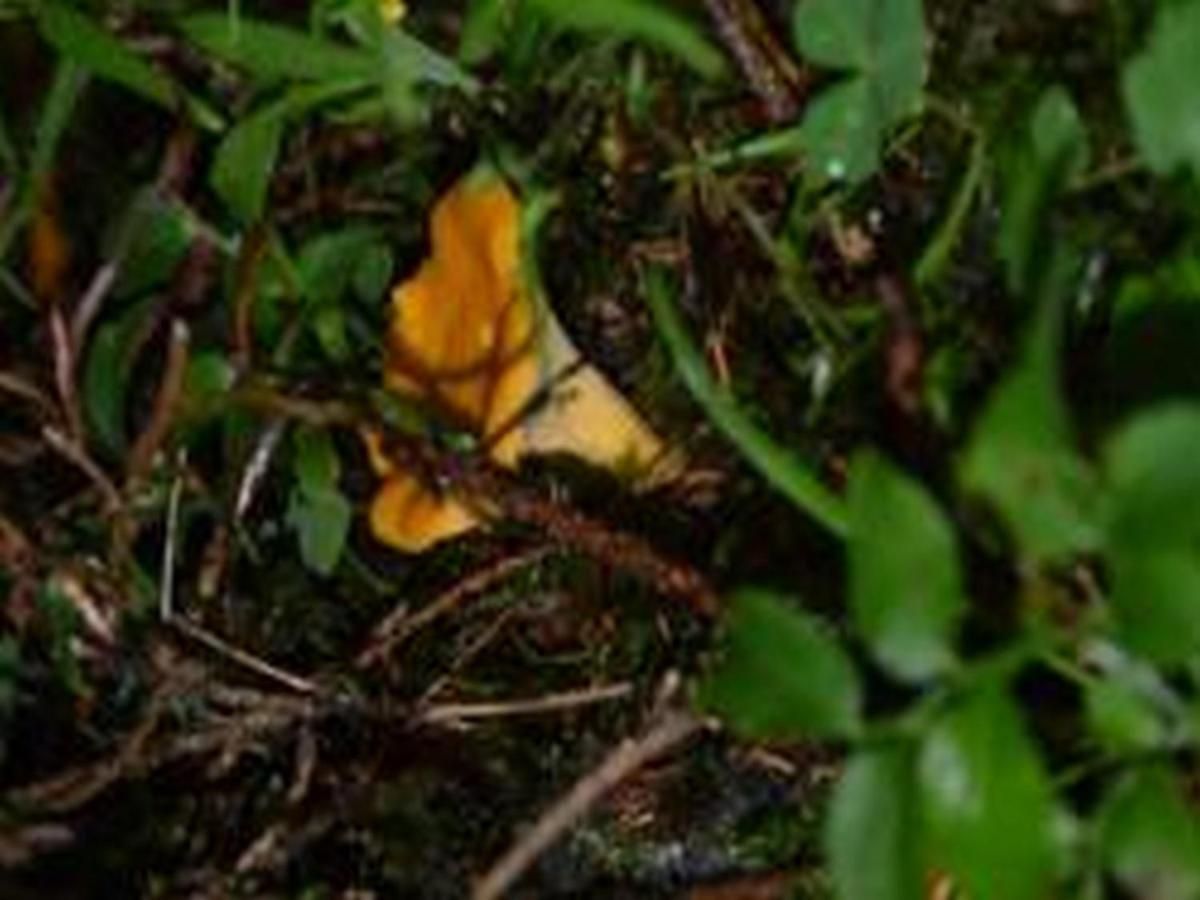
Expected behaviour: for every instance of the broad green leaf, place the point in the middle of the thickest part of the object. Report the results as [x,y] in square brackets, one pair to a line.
[872,834]
[882,44]
[1160,90]
[1021,456]
[642,20]
[782,674]
[245,160]
[330,264]
[841,132]
[1154,532]
[155,237]
[1058,136]
[1150,836]
[482,29]
[317,509]
[986,802]
[905,585]
[322,521]
[82,40]
[274,52]
[423,64]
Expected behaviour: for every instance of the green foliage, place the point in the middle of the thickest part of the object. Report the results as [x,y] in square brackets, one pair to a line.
[245,160]
[985,798]
[1159,88]
[873,830]
[79,39]
[317,509]
[642,20]
[1154,532]
[1150,836]
[905,587]
[782,673]
[881,44]
[1021,455]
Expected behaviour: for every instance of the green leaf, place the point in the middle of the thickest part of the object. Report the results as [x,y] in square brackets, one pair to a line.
[330,263]
[155,237]
[373,273]
[245,160]
[1154,532]
[1150,836]
[882,43]
[642,20]
[841,133]
[872,833]
[985,799]
[1050,151]
[275,52]
[79,38]
[110,359]
[1160,91]
[782,674]
[905,585]
[317,509]
[1021,455]
[1121,718]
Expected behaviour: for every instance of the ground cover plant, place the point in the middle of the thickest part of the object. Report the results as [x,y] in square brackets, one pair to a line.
[607,448]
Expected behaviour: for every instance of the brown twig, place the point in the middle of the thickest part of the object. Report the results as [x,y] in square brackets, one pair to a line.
[63,354]
[443,713]
[764,63]
[241,338]
[666,732]
[398,625]
[166,402]
[75,454]
[245,659]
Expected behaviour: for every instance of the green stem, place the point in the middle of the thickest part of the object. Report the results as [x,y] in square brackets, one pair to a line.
[785,471]
[937,253]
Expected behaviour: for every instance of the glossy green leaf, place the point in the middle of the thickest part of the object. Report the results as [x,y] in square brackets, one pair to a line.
[91,46]
[1150,836]
[1154,532]
[274,52]
[1160,90]
[642,20]
[1022,459]
[1121,718]
[905,585]
[986,801]
[872,833]
[245,160]
[781,673]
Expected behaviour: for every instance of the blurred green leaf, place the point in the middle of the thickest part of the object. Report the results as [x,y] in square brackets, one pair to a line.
[986,801]
[905,585]
[1160,90]
[245,160]
[782,674]
[110,360]
[882,44]
[1150,836]
[331,263]
[482,29]
[79,38]
[1121,718]
[1154,532]
[642,20]
[274,52]
[1049,151]
[872,833]
[373,273]
[317,509]
[153,240]
[1021,455]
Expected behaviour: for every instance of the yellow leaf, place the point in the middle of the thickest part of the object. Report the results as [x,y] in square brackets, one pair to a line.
[468,338]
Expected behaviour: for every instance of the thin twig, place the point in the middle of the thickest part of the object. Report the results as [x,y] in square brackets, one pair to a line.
[63,352]
[166,594]
[672,729]
[166,401]
[89,304]
[398,625]
[73,453]
[442,713]
[765,64]
[244,658]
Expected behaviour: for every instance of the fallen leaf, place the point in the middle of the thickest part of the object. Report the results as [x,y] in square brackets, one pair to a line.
[470,338]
